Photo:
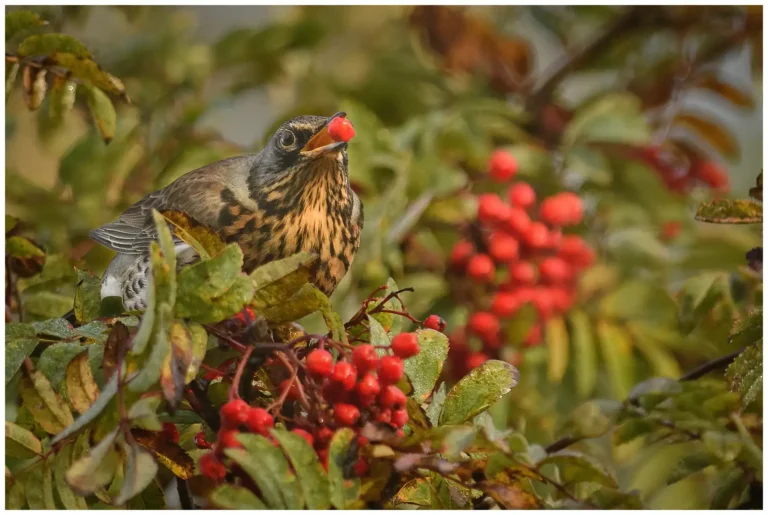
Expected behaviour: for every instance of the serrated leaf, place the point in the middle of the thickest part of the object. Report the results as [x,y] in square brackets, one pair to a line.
[584,353]
[617,353]
[169,454]
[96,469]
[556,338]
[21,443]
[102,111]
[109,391]
[424,369]
[745,374]
[728,211]
[20,341]
[477,391]
[46,406]
[582,468]
[230,497]
[341,490]
[709,131]
[82,390]
[268,468]
[203,239]
[140,470]
[61,464]
[748,329]
[87,297]
[278,281]
[416,492]
[312,478]
[48,44]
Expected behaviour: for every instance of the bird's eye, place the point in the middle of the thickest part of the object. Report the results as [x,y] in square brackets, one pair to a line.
[287,139]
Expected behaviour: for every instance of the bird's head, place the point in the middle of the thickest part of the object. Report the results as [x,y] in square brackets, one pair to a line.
[303,147]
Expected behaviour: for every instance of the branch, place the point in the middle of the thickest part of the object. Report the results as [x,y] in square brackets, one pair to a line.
[710,366]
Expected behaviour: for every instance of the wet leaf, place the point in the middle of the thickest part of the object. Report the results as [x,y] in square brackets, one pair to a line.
[709,131]
[169,454]
[728,211]
[20,341]
[87,297]
[54,360]
[556,338]
[312,478]
[46,406]
[48,44]
[230,497]
[424,369]
[204,240]
[21,443]
[477,391]
[140,470]
[745,374]
[278,281]
[96,469]
[341,490]
[109,391]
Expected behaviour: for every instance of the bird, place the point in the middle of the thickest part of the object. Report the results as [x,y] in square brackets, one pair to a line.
[293,196]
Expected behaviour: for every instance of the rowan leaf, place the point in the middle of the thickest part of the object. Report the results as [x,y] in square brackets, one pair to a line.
[107,393]
[18,22]
[342,490]
[584,353]
[46,406]
[96,469]
[102,111]
[87,297]
[140,471]
[278,281]
[117,345]
[90,73]
[20,341]
[203,239]
[728,211]
[16,497]
[151,369]
[312,478]
[39,487]
[143,413]
[579,467]
[82,390]
[617,352]
[424,369]
[21,443]
[556,338]
[736,96]
[168,453]
[477,391]
[49,44]
[231,497]
[745,374]
[712,133]
[61,464]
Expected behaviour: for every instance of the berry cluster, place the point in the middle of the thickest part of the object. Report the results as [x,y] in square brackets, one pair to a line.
[679,174]
[360,386]
[516,253]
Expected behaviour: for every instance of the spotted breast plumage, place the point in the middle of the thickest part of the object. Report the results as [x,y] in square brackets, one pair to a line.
[292,196]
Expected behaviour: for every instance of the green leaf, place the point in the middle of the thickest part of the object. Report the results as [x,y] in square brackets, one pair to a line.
[90,73]
[723,444]
[556,338]
[143,413]
[21,247]
[379,336]
[206,280]
[48,44]
[54,360]
[516,330]
[416,492]
[96,469]
[269,470]
[20,341]
[61,99]
[312,479]
[745,374]
[39,488]
[151,369]
[727,211]
[640,300]
[278,281]
[584,353]
[102,111]
[87,297]
[21,443]
[436,404]
[579,467]
[55,327]
[231,497]
[424,369]
[140,469]
[478,390]
[632,429]
[20,21]
[204,240]
[691,464]
[728,488]
[663,362]
[748,329]
[109,391]
[61,464]
[614,118]
[16,497]
[46,406]
[338,458]
[594,418]
[617,352]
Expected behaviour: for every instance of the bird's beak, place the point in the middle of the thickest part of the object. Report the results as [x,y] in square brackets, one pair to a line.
[321,143]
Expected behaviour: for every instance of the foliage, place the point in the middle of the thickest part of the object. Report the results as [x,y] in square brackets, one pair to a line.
[106,409]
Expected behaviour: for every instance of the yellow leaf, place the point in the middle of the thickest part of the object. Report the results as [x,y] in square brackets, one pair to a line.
[46,406]
[204,240]
[729,92]
[712,133]
[556,337]
[171,455]
[82,390]
[21,443]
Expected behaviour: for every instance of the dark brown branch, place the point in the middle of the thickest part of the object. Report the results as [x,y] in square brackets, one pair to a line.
[711,365]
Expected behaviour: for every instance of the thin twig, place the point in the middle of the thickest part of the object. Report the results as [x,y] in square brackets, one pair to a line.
[710,366]
[233,390]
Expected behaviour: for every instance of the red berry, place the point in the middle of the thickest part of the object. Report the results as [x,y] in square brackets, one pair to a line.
[324,435]
[228,439]
[534,337]
[399,417]
[481,268]
[554,270]
[562,299]
[259,421]
[361,467]
[345,414]
[368,386]
[170,432]
[537,236]
[522,273]
[293,393]
[201,442]
[405,345]
[340,129]
[565,208]
[505,304]
[503,166]
[362,441]
[305,435]
[320,363]
[670,230]
[322,454]
[576,252]
[212,468]
[392,397]
[518,221]
[246,316]
[711,174]
[503,248]
[485,325]
[234,413]
[461,253]
[491,209]
[365,358]
[384,416]
[344,374]
[543,302]
[521,195]
[574,205]
[391,369]
[334,392]
[476,359]
[435,323]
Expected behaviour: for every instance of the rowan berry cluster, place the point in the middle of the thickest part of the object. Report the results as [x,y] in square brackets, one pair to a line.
[360,386]
[679,175]
[516,251]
